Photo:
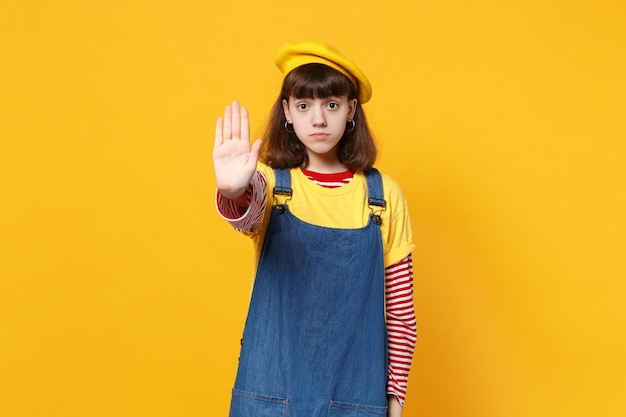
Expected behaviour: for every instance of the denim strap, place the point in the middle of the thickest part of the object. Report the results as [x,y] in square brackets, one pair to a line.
[375,188]
[283,182]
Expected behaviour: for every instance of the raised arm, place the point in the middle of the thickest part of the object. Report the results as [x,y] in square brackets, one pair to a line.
[234,159]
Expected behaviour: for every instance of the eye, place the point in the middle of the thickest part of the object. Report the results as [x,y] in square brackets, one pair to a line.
[333,106]
[301,106]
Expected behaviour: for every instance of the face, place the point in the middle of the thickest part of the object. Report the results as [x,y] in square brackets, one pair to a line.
[319,124]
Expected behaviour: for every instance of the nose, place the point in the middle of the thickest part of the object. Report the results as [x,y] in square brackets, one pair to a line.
[319,118]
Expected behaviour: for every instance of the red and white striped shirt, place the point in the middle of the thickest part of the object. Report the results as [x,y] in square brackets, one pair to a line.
[400,315]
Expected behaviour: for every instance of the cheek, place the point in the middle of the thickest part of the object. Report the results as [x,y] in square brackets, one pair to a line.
[340,125]
[300,130]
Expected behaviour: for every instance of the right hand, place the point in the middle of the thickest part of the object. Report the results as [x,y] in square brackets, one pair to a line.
[234,160]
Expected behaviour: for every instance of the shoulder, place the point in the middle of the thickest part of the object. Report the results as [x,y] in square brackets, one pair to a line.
[266,170]
[396,225]
[393,194]
[392,189]
[390,184]
[267,173]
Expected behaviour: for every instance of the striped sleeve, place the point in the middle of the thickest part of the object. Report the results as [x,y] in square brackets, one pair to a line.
[245,219]
[401,325]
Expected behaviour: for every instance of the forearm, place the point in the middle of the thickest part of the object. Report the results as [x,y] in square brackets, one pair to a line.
[246,213]
[394,409]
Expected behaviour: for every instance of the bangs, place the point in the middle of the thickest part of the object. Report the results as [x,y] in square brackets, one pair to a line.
[317,81]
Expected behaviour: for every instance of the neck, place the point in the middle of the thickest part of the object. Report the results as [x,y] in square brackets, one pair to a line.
[324,164]
[326,169]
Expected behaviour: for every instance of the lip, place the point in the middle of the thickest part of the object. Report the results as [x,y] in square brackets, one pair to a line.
[319,135]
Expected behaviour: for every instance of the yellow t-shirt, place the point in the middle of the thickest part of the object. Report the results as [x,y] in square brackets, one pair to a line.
[343,207]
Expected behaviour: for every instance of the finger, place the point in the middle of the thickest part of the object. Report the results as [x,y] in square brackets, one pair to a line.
[245,125]
[218,132]
[227,123]
[236,120]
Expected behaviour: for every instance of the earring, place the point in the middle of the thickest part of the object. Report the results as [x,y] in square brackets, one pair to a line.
[289,127]
[350,126]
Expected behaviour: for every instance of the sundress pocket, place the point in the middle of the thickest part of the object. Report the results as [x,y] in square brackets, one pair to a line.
[245,404]
[340,409]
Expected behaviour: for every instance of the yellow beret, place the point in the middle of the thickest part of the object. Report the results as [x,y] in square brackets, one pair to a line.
[292,55]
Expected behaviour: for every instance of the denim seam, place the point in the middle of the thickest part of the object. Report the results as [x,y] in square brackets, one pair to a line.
[358,407]
[255,396]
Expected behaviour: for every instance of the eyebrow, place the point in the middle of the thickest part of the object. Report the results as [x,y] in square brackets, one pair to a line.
[332,97]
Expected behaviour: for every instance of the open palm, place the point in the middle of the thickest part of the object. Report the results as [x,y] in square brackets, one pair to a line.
[234,159]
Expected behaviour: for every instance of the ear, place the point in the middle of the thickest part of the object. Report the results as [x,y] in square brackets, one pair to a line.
[286,110]
[352,104]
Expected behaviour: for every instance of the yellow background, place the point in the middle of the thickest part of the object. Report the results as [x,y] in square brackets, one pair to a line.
[123,294]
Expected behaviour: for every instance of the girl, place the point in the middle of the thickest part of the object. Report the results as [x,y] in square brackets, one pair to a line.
[331,327]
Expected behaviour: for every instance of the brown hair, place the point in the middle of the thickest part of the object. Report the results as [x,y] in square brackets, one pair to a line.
[282,149]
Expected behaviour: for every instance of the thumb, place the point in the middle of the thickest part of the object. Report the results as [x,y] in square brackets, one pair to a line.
[255,149]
